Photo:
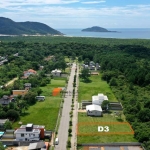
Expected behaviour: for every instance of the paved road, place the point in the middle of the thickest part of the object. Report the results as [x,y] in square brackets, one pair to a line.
[75,115]
[65,118]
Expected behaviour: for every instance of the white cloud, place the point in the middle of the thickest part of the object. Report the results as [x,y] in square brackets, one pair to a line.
[61,16]
[93,2]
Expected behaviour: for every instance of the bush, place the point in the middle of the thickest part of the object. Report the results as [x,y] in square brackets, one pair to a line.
[68,144]
[70,123]
[13,114]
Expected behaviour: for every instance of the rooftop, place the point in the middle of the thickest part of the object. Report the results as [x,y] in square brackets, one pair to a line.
[21,130]
[93,107]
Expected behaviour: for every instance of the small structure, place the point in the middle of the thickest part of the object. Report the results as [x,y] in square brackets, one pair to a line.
[86,66]
[56,91]
[19,92]
[27,86]
[56,73]
[98,99]
[5,100]
[97,66]
[94,73]
[94,110]
[38,146]
[29,72]
[92,67]
[30,132]
[40,98]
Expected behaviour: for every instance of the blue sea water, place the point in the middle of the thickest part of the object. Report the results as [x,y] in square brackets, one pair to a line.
[122,33]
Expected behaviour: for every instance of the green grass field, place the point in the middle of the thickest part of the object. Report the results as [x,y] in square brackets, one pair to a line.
[87,90]
[89,126]
[46,112]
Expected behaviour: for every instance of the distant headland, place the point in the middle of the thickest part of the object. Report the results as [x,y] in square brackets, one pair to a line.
[96,29]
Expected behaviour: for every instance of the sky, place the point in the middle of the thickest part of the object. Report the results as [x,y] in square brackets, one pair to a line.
[61,14]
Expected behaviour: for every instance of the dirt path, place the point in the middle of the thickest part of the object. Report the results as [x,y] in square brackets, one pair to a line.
[11,81]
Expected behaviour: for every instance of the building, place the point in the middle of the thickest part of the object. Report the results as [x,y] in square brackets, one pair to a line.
[94,110]
[56,73]
[19,92]
[92,67]
[40,98]
[30,132]
[98,99]
[39,146]
[5,100]
[97,66]
[29,72]
[27,86]
[86,66]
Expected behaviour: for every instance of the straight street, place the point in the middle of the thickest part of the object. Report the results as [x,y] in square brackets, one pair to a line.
[65,118]
[75,115]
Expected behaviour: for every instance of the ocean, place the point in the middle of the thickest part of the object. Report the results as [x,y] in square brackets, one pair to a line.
[122,33]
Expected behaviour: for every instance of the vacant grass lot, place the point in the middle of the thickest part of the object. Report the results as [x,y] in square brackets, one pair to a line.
[46,112]
[104,138]
[87,90]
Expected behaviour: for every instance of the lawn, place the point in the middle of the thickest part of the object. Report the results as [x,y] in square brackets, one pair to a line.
[88,129]
[87,90]
[46,112]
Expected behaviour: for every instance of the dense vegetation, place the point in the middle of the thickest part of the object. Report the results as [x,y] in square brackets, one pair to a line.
[124,64]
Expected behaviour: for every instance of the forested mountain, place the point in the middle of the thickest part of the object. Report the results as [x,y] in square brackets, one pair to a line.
[9,27]
[124,65]
[96,29]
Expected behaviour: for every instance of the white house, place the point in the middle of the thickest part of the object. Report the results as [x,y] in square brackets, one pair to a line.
[98,99]
[94,110]
[56,73]
[29,132]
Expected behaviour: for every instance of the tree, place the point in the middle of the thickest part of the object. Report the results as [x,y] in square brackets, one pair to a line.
[85,74]
[23,105]
[8,125]
[39,91]
[105,105]
[113,82]
[80,58]
[3,114]
[30,97]
[1,146]
[144,115]
[13,114]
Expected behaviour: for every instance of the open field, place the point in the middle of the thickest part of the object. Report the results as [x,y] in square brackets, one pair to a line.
[87,90]
[46,112]
[119,130]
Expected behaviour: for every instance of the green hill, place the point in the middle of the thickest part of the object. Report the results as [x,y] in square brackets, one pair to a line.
[9,27]
[96,29]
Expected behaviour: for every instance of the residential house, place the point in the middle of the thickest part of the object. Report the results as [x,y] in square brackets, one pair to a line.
[19,92]
[97,66]
[94,110]
[56,73]
[86,66]
[41,67]
[27,86]
[5,100]
[98,99]
[30,132]
[92,67]
[29,72]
